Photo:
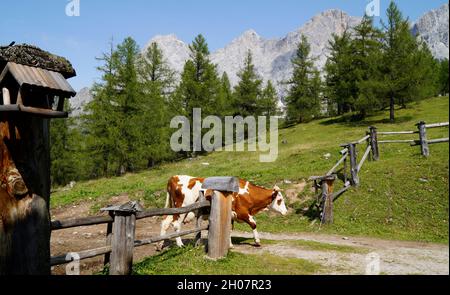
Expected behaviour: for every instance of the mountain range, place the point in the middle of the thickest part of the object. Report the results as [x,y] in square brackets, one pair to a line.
[272,57]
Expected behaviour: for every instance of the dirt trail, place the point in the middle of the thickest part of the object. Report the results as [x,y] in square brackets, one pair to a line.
[396,257]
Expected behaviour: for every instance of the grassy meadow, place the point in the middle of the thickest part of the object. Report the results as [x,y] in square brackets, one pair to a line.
[402,196]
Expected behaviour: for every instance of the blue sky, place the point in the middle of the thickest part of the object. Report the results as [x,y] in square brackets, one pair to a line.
[45,24]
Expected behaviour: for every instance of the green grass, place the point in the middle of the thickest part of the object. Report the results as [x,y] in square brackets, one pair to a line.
[392,202]
[191,260]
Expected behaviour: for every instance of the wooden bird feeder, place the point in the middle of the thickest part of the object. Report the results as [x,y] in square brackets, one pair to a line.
[33,88]
[34,81]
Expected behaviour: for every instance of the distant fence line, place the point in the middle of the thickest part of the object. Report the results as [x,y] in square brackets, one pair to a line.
[326,197]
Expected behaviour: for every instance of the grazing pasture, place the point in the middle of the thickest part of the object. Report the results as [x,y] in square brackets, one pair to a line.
[403,196]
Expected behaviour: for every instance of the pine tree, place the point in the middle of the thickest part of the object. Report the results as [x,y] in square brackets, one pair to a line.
[269,101]
[98,120]
[443,79]
[366,58]
[64,167]
[341,89]
[303,99]
[397,64]
[225,96]
[199,86]
[158,81]
[248,90]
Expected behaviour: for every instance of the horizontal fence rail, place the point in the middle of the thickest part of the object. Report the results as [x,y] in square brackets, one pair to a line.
[128,231]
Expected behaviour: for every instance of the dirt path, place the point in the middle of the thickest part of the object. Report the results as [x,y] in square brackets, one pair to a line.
[396,257]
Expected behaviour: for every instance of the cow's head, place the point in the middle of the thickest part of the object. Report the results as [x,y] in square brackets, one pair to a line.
[278,204]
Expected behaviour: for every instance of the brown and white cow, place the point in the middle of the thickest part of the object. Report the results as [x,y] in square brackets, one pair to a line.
[183,190]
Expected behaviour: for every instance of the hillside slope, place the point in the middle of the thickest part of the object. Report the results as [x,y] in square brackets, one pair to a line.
[402,196]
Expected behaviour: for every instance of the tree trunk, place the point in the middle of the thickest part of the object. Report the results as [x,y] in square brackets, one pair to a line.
[391,109]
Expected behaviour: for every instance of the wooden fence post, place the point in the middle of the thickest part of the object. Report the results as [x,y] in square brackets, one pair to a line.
[219,232]
[327,199]
[122,241]
[219,225]
[198,236]
[374,143]
[423,139]
[109,228]
[354,179]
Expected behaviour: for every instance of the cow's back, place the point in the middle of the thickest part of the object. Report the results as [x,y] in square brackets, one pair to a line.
[183,190]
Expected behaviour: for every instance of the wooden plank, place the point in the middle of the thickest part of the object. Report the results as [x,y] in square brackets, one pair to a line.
[337,194]
[84,221]
[6,96]
[373,141]
[219,225]
[363,139]
[224,184]
[397,141]
[61,259]
[424,149]
[435,125]
[397,132]
[354,179]
[109,227]
[172,211]
[122,243]
[151,240]
[337,164]
[431,141]
[364,157]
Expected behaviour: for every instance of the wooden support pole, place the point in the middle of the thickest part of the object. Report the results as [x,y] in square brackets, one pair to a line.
[219,225]
[354,179]
[122,240]
[373,141]
[122,243]
[109,227]
[327,199]
[198,236]
[423,139]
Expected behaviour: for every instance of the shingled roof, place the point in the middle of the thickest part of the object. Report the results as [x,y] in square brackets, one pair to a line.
[35,57]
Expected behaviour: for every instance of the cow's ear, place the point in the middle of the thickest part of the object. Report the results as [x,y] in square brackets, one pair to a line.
[276,188]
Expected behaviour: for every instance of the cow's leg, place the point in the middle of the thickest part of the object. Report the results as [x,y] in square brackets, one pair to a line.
[252,222]
[177,226]
[164,226]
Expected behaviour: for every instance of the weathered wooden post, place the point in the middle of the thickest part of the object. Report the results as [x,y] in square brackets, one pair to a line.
[327,198]
[32,82]
[424,149]
[109,228]
[198,236]
[373,141]
[122,240]
[219,232]
[354,179]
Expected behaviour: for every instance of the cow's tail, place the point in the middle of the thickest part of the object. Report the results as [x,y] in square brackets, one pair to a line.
[167,201]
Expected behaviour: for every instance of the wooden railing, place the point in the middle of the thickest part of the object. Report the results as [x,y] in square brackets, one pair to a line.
[121,225]
[325,183]
[121,221]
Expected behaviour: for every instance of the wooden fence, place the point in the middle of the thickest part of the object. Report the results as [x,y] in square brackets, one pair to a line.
[121,224]
[325,183]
